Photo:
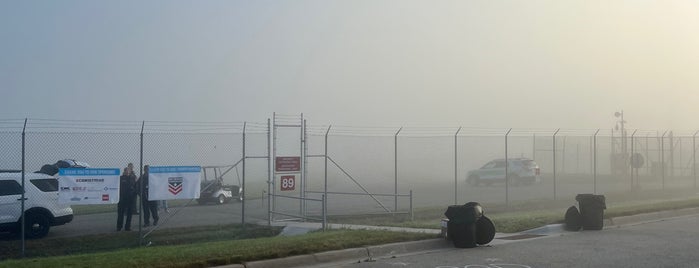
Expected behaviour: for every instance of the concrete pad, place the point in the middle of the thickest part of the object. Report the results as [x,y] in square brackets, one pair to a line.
[294,230]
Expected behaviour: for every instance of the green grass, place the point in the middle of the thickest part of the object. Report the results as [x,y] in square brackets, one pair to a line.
[521,216]
[121,240]
[219,245]
[222,252]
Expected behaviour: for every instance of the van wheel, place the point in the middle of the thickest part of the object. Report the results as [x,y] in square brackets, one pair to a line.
[221,199]
[37,225]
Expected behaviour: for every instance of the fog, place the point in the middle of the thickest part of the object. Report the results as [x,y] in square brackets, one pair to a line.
[368,69]
[519,64]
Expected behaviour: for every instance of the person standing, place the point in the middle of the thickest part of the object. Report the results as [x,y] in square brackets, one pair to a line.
[126,199]
[149,207]
[134,204]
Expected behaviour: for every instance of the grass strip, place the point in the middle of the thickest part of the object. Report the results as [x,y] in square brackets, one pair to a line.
[511,220]
[121,240]
[223,252]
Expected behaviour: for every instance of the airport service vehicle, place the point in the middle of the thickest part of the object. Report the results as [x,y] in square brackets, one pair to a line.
[213,189]
[522,171]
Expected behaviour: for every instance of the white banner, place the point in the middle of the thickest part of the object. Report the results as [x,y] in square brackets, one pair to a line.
[167,183]
[88,186]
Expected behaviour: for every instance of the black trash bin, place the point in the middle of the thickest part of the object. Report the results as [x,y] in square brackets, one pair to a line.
[461,228]
[591,211]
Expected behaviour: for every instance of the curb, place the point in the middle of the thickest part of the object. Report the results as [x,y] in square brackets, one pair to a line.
[390,250]
[652,216]
[394,249]
[359,254]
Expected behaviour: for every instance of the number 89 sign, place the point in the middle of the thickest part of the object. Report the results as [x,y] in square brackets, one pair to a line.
[288,183]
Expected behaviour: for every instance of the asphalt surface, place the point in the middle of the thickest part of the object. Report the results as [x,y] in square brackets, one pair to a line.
[666,243]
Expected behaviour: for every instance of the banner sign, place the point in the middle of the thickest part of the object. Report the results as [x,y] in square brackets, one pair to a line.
[174,182]
[88,186]
[287,163]
[288,183]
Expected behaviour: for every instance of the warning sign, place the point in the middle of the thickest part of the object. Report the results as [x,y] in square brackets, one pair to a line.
[288,183]
[287,163]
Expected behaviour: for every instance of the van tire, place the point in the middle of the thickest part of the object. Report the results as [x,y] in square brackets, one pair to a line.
[37,225]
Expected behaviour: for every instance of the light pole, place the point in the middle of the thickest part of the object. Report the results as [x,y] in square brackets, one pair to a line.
[622,156]
[620,124]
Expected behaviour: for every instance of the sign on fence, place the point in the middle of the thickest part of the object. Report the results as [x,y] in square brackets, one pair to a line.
[288,183]
[287,163]
[88,186]
[174,182]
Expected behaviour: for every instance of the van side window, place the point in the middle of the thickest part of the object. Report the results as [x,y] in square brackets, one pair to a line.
[10,187]
[46,185]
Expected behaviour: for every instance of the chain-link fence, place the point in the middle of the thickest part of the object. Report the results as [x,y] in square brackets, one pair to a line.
[41,147]
[345,170]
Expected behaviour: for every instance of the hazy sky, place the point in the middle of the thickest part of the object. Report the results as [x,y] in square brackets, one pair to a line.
[522,64]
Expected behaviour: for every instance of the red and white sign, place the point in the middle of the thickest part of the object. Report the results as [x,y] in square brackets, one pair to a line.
[287,163]
[288,183]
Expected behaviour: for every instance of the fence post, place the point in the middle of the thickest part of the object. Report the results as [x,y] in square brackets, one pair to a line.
[395,170]
[242,213]
[411,206]
[272,165]
[662,157]
[594,161]
[648,157]
[140,199]
[302,202]
[22,233]
[325,212]
[325,183]
[269,175]
[507,173]
[694,158]
[631,157]
[456,164]
[554,163]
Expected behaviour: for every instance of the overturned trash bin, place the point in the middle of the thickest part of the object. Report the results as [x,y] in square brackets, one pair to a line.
[467,227]
[573,220]
[485,230]
[591,211]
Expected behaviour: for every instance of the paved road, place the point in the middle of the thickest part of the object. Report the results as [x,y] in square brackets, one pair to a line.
[667,243]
